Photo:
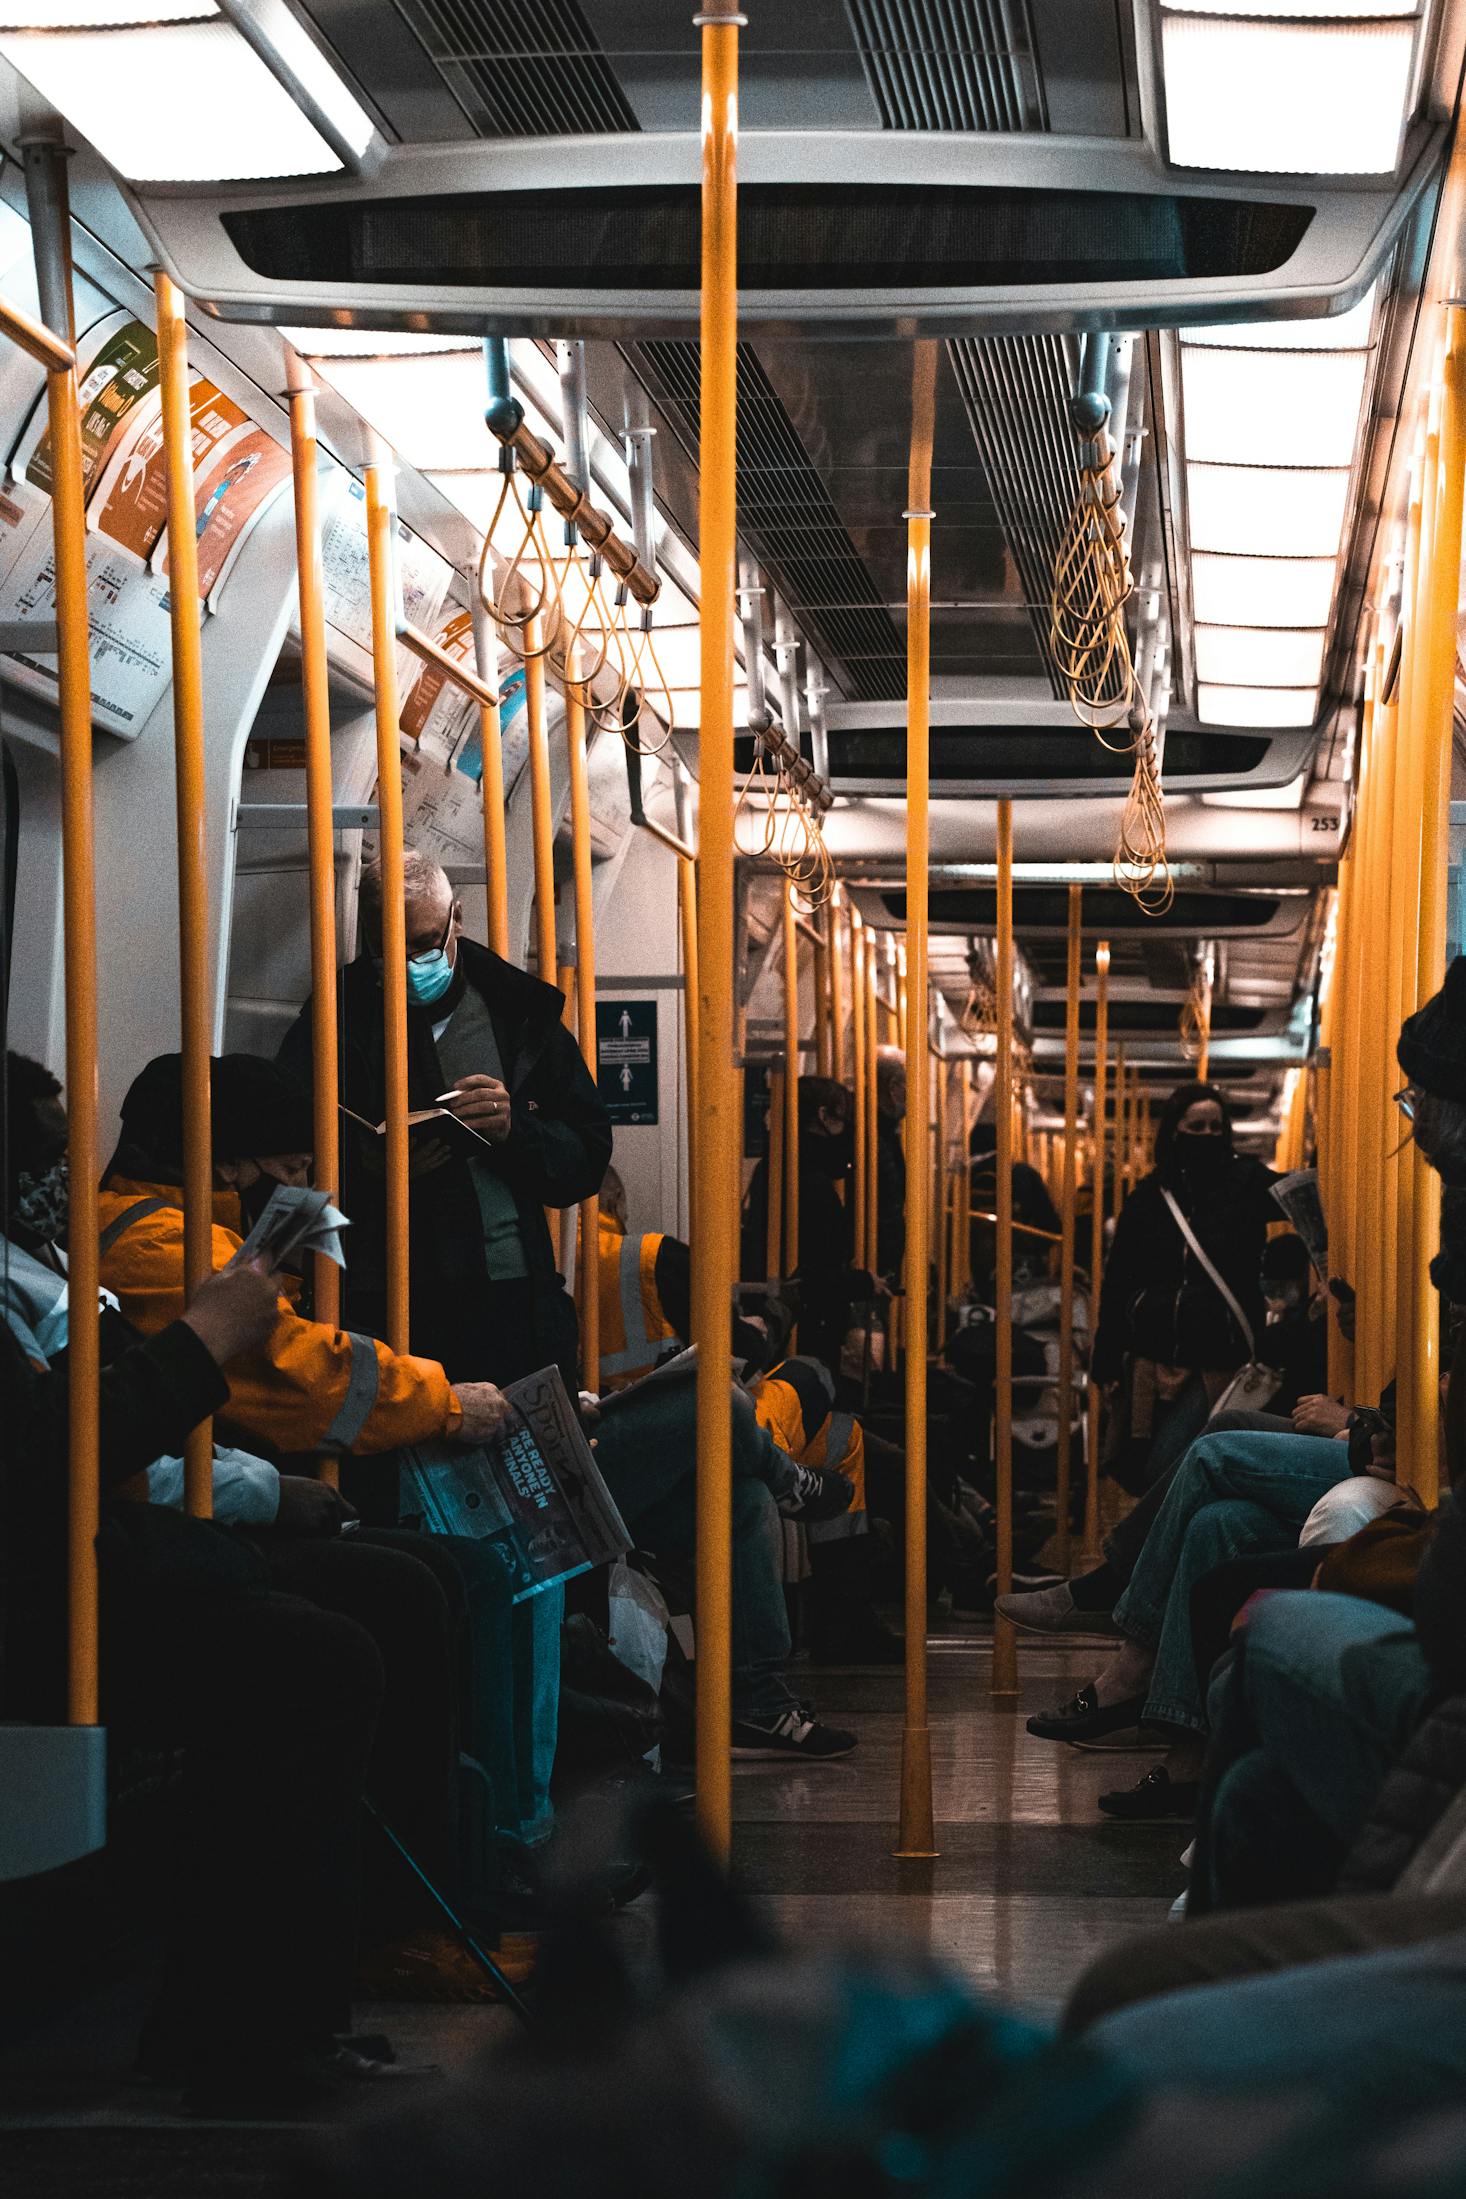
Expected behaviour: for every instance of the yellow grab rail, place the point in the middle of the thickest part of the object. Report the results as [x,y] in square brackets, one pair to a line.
[320,837]
[381,530]
[51,238]
[791,1086]
[917,1833]
[1091,1545]
[191,811]
[1005,1651]
[715,1254]
[1064,1455]
[588,1263]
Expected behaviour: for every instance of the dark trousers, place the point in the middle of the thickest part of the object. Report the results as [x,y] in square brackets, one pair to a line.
[1126,1540]
[1219,1595]
[407,1594]
[274,1703]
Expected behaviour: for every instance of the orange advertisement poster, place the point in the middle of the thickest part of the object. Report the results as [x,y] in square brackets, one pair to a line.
[242,474]
[426,694]
[120,372]
[132,501]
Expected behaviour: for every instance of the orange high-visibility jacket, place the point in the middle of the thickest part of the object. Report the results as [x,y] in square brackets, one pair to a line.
[635,1329]
[795,1401]
[311,1387]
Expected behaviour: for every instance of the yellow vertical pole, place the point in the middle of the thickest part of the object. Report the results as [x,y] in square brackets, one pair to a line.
[1422,1465]
[837,987]
[1407,877]
[1064,1457]
[715,1254]
[195,1021]
[1203,1059]
[1091,1546]
[903,997]
[542,823]
[381,530]
[320,840]
[1343,1131]
[857,1027]
[964,1182]
[791,1085]
[491,742]
[917,1835]
[51,235]
[687,912]
[872,1112]
[824,1037]
[939,1204]
[775,1219]
[1005,1652]
[1118,1168]
[588,1262]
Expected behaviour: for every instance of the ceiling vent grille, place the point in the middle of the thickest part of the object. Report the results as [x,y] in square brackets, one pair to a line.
[788,519]
[950,64]
[533,70]
[1016,390]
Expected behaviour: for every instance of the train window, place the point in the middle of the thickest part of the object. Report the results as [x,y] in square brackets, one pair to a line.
[791,237]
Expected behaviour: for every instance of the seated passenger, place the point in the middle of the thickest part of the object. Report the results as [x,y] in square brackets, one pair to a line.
[309,1388]
[647,1450]
[406,1592]
[272,1701]
[486,1299]
[645,1306]
[829,1281]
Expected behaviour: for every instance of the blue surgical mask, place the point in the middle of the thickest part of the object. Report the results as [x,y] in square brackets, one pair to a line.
[428,977]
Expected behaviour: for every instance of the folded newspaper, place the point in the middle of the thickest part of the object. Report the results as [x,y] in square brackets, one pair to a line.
[535,1493]
[1298,1197]
[296,1220]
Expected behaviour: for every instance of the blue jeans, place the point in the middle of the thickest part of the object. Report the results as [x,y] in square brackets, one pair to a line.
[1385,2029]
[1233,1492]
[1309,1717]
[647,1452]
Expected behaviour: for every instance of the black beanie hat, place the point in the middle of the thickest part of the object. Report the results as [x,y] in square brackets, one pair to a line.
[1432,1043]
[256,1109]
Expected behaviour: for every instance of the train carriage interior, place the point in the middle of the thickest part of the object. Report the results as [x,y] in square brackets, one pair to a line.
[733,954]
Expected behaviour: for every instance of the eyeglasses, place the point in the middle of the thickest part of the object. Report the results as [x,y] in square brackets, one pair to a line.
[1405,1100]
[426,954]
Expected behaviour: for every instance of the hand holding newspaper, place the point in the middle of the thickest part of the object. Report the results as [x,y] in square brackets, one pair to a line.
[296,1220]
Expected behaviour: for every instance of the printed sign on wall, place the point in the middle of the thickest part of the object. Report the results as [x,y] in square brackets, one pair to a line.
[626,1058]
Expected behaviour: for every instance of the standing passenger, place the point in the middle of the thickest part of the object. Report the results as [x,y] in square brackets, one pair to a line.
[486,1299]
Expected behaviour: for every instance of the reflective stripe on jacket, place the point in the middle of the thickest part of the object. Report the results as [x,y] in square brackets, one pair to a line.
[310,1387]
[635,1330]
[795,1401]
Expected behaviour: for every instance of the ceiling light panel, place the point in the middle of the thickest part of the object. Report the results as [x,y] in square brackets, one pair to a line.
[1294,511]
[185,97]
[1259,656]
[373,343]
[1270,96]
[1282,706]
[74,15]
[1272,408]
[1261,591]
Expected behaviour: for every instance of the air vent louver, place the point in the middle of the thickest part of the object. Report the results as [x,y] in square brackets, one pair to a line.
[533,70]
[788,519]
[950,64]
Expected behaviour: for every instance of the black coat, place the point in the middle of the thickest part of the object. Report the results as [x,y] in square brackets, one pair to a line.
[1157,1300]
[557,1151]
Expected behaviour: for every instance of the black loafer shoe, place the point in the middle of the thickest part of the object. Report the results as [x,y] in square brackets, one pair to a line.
[1155,1799]
[1087,1719]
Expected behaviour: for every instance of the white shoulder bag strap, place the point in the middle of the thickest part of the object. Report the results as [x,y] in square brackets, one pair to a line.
[1191,1238]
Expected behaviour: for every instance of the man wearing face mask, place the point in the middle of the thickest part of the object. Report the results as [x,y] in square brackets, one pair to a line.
[489,1042]
[310,1387]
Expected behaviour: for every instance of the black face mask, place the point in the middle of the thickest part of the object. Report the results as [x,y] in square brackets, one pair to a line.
[832,1154]
[1201,1155]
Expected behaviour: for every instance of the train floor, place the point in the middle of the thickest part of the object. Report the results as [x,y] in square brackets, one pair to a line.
[1031,1882]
